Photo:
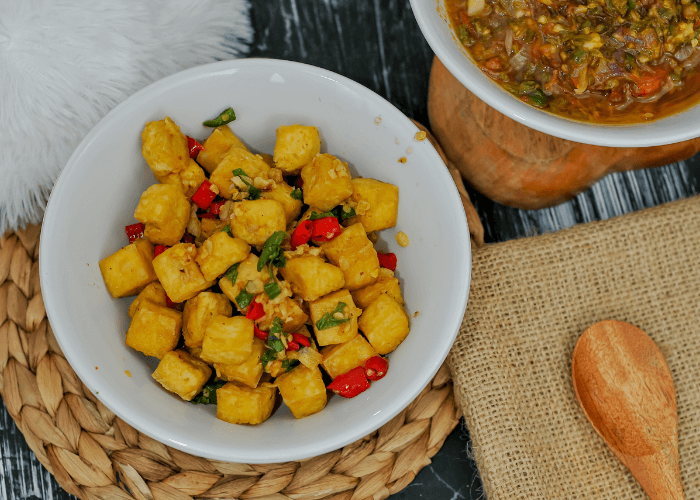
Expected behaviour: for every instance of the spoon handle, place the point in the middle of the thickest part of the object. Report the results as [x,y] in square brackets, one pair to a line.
[658,473]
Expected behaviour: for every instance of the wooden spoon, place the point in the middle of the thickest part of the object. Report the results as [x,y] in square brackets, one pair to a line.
[624,387]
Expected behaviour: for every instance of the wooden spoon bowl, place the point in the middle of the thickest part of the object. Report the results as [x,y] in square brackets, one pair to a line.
[625,389]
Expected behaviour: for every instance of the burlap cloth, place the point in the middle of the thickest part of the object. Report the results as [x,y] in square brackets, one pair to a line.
[530,300]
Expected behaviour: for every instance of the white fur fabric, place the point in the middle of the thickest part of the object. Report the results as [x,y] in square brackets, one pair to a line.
[65,63]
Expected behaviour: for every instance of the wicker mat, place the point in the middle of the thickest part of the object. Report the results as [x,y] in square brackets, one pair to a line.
[530,300]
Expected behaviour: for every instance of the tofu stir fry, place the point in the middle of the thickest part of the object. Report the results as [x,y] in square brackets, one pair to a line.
[256,275]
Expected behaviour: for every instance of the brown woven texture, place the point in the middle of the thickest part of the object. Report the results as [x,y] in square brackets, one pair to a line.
[530,300]
[95,455]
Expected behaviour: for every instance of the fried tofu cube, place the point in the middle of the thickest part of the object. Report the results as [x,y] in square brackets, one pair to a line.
[181,373]
[128,270]
[341,358]
[179,272]
[311,277]
[328,308]
[247,272]
[377,204]
[242,405]
[247,373]
[296,145]
[219,252]
[327,182]
[164,147]
[385,324]
[165,211]
[254,221]
[287,309]
[216,146]
[384,284]
[253,166]
[227,340]
[303,390]
[187,180]
[153,292]
[353,252]
[197,313]
[154,330]
[282,192]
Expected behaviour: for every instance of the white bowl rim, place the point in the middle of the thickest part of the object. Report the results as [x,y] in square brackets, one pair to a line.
[460,237]
[632,135]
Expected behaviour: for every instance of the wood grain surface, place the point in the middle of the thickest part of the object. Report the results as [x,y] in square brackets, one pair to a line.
[378,44]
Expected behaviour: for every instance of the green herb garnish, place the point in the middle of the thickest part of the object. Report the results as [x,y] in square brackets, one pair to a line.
[272,251]
[341,214]
[208,394]
[273,341]
[227,230]
[226,116]
[276,326]
[329,320]
[232,273]
[538,98]
[253,192]
[269,355]
[297,194]
[315,215]
[243,299]
[288,364]
[272,290]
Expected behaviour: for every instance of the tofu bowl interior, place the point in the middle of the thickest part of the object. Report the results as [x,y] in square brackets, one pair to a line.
[99,189]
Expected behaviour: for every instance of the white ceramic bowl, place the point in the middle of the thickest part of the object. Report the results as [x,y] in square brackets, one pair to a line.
[96,195]
[436,27]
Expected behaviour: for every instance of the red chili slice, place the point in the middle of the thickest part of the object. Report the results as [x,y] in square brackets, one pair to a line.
[215,207]
[376,367]
[204,195]
[188,238]
[207,215]
[325,229]
[387,260]
[159,249]
[194,146]
[259,333]
[134,231]
[292,346]
[169,303]
[350,384]
[255,310]
[301,339]
[302,234]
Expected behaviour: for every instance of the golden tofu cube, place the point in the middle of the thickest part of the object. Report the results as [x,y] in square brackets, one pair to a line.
[227,340]
[328,308]
[247,373]
[237,404]
[327,182]
[287,309]
[181,373]
[341,358]
[296,145]
[247,271]
[385,324]
[164,147]
[129,270]
[197,313]
[154,330]
[191,178]
[219,252]
[303,390]
[353,252]
[216,146]
[165,211]
[384,284]
[282,192]
[154,292]
[179,272]
[253,166]
[211,226]
[254,221]
[311,277]
[378,203]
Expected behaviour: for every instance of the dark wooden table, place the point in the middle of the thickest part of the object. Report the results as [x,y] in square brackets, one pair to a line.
[378,44]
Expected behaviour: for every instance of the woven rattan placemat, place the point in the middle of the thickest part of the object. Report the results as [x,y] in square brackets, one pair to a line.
[529,302]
